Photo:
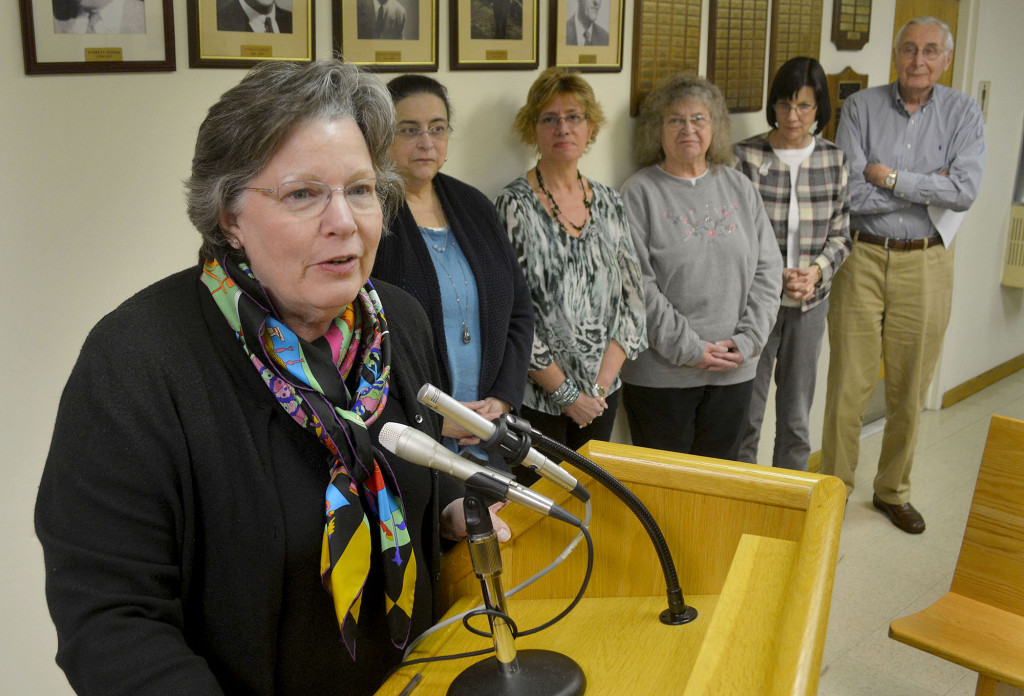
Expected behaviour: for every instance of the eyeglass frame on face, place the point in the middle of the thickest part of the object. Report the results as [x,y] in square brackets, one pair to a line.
[677,123]
[784,108]
[436,132]
[361,203]
[573,119]
[931,52]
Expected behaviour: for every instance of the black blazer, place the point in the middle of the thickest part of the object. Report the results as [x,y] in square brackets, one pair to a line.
[506,310]
[231,17]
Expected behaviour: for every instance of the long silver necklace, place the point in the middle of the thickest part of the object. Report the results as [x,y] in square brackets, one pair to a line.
[463,311]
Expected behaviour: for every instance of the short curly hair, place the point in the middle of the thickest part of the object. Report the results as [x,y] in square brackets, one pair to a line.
[245,128]
[552,83]
[656,105]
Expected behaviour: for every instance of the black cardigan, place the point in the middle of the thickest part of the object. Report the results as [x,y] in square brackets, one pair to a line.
[506,309]
[181,511]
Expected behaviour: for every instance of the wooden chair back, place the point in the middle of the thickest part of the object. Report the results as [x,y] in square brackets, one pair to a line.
[990,568]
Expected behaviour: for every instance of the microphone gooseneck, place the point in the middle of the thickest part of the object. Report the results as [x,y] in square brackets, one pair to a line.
[678,612]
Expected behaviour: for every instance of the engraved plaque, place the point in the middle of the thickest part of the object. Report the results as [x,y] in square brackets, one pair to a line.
[737,41]
[840,86]
[851,24]
[666,41]
[796,31]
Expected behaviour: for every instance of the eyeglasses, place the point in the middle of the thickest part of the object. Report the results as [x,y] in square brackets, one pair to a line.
[698,121]
[930,52]
[785,108]
[572,119]
[310,198]
[438,132]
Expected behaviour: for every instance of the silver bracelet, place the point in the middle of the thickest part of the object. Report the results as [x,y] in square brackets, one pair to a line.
[566,394]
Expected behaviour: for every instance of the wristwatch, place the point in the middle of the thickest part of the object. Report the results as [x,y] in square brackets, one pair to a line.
[890,179]
[601,391]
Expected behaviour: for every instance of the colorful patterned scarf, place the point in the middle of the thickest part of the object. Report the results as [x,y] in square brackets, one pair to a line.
[309,381]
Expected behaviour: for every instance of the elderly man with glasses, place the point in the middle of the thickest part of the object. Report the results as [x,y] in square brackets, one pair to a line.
[915,150]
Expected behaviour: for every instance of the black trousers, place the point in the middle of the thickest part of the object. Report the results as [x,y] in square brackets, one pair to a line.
[708,421]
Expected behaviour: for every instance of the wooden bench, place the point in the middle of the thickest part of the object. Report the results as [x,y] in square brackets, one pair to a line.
[979,623]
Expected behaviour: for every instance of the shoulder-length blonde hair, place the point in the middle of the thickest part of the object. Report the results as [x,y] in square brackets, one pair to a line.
[549,84]
[654,108]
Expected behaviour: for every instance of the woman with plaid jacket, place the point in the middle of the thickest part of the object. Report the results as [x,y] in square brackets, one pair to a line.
[811,219]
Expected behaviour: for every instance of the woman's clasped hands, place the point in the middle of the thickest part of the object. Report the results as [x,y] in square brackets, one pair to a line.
[720,356]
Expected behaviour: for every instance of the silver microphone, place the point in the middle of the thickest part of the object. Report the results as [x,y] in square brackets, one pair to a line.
[419,448]
[439,402]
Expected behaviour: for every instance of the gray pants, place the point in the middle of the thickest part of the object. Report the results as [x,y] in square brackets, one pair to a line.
[793,348]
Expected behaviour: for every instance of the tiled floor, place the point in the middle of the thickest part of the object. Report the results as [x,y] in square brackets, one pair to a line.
[884,573]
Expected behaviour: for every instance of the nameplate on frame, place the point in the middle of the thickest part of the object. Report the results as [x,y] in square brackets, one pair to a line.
[246,51]
[103,55]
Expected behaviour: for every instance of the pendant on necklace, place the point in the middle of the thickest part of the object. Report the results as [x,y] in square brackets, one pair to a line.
[465,333]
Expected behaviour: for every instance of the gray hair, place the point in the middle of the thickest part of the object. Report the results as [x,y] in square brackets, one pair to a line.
[657,104]
[244,129]
[924,22]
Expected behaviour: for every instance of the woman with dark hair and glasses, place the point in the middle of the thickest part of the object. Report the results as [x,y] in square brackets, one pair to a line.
[449,251]
[571,237]
[802,179]
[712,275]
[216,514]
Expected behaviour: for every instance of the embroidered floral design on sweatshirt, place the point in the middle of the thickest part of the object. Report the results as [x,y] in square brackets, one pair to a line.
[711,223]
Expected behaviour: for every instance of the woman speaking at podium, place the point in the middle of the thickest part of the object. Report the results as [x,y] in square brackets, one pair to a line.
[215,512]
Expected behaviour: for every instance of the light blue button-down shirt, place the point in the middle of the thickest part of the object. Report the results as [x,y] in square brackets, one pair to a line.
[945,133]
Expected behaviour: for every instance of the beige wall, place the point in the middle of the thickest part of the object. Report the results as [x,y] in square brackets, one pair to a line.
[92,210]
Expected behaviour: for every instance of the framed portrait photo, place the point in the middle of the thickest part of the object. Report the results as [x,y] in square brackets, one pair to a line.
[97,36]
[387,35]
[586,35]
[237,34]
[494,35]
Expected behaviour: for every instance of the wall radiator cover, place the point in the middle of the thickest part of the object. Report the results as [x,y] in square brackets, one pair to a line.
[1013,270]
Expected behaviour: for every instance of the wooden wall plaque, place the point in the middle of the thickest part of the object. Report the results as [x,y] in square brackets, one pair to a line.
[737,38]
[840,86]
[851,24]
[666,41]
[796,31]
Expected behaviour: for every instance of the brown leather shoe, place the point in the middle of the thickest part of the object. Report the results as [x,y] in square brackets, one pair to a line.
[903,516]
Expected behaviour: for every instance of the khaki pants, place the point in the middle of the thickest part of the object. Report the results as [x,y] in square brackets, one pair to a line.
[890,306]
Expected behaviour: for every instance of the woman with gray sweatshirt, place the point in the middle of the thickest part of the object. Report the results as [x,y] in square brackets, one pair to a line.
[711,273]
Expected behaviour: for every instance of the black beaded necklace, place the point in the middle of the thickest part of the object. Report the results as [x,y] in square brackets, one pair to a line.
[556,212]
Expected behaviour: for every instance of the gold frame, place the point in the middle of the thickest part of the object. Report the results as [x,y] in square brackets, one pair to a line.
[469,52]
[587,58]
[210,48]
[408,54]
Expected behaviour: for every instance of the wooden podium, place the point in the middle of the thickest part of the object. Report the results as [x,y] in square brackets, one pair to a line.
[755,550]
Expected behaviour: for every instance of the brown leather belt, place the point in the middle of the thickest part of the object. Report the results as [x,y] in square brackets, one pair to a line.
[897,244]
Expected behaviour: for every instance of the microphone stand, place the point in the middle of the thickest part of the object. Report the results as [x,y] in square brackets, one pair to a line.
[508,673]
[513,435]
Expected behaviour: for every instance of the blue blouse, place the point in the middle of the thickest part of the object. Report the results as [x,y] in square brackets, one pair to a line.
[461,311]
